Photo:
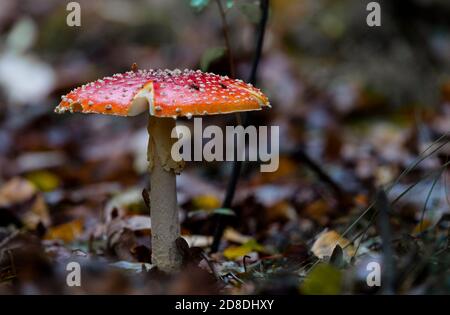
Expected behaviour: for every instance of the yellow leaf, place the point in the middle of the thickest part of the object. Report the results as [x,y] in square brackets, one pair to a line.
[327,241]
[234,252]
[422,226]
[234,236]
[44,180]
[66,232]
[206,202]
[324,279]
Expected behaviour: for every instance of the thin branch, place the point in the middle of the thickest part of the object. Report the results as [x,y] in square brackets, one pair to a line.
[362,234]
[237,165]
[384,209]
[242,120]
[427,199]
[422,156]
[227,39]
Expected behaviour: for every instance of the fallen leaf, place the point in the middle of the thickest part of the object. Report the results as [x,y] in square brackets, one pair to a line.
[326,242]
[44,180]
[319,210]
[206,202]
[66,232]
[422,226]
[324,279]
[235,252]
[37,215]
[191,255]
[282,210]
[16,190]
[129,237]
[234,236]
[24,203]
[287,167]
[130,200]
[361,200]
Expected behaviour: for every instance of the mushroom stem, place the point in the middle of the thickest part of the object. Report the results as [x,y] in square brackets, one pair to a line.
[163,195]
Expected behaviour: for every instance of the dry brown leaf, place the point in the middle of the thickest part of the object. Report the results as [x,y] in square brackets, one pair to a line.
[287,167]
[15,191]
[282,210]
[319,210]
[25,202]
[128,237]
[327,241]
[38,214]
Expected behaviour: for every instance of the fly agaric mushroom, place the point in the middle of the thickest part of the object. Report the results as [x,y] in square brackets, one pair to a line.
[165,94]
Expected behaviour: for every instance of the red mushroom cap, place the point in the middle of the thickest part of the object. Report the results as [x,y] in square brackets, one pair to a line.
[165,93]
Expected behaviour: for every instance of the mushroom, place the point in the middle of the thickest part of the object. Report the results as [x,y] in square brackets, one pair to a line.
[167,95]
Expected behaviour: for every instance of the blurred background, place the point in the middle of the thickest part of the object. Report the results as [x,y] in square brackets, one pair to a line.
[360,102]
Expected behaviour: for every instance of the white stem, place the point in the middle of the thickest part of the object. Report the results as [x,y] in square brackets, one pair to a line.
[163,195]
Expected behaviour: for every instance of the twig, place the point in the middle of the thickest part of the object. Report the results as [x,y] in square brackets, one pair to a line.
[232,276]
[404,192]
[211,266]
[227,39]
[245,263]
[231,67]
[315,263]
[421,179]
[384,210]
[427,199]
[242,120]
[363,235]
[421,158]
[237,165]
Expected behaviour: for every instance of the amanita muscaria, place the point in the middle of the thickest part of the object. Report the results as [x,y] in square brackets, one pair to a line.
[166,95]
